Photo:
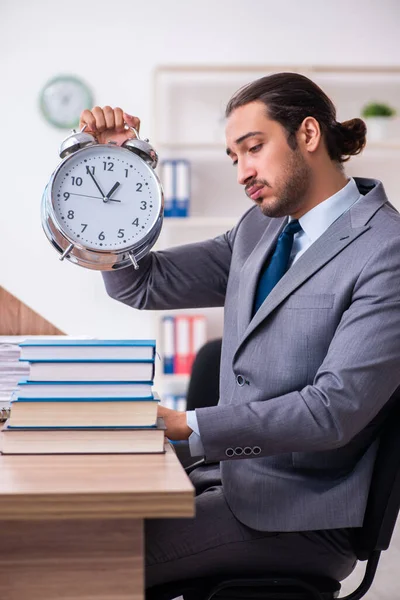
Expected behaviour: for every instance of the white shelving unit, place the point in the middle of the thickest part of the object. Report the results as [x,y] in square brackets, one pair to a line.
[189,105]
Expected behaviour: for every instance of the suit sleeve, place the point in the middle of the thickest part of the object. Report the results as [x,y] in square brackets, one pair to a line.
[189,276]
[359,374]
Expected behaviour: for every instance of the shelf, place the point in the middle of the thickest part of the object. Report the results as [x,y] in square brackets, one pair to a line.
[383,145]
[201,221]
[173,377]
[171,384]
[190,101]
[192,146]
[220,146]
[189,122]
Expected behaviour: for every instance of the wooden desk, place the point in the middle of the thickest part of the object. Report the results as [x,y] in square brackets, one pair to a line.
[71,527]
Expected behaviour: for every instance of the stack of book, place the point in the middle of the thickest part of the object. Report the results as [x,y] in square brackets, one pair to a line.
[85,396]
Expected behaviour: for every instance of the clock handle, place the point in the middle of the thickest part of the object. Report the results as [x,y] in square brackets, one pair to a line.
[142,148]
[76,141]
[135,131]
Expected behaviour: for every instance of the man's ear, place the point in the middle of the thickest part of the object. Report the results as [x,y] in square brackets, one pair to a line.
[309,134]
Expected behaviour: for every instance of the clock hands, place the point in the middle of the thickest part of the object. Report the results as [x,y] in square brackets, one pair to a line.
[96,197]
[106,198]
[96,184]
[114,187]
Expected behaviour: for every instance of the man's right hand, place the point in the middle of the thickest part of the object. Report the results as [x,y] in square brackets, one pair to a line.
[108,124]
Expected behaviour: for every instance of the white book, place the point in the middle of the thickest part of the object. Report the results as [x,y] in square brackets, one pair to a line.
[69,349]
[86,412]
[91,371]
[199,332]
[108,440]
[83,390]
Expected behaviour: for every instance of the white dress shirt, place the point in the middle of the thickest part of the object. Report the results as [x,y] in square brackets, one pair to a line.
[313,224]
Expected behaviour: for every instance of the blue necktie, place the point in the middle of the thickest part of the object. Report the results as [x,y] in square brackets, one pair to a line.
[277,266]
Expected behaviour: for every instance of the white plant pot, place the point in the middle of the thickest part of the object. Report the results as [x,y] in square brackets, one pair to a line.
[378,128]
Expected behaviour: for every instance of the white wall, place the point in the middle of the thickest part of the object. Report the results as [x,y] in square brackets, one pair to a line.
[115,46]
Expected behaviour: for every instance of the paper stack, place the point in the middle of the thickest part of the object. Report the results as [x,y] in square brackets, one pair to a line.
[84,396]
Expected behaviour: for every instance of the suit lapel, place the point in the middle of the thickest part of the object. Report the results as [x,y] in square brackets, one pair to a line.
[251,270]
[339,235]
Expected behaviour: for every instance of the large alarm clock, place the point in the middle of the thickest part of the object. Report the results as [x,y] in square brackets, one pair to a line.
[103,206]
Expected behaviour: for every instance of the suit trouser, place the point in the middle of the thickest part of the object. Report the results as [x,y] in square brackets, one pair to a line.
[215,543]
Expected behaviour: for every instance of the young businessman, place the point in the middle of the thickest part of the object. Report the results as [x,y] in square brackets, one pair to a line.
[310,279]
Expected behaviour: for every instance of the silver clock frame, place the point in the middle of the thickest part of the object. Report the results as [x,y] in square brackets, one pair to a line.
[100,260]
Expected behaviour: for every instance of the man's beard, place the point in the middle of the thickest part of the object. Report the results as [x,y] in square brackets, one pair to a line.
[291,188]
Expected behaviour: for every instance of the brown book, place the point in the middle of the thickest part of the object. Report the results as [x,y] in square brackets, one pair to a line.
[84,412]
[107,440]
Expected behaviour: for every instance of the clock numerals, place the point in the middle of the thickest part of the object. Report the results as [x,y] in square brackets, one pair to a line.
[101,193]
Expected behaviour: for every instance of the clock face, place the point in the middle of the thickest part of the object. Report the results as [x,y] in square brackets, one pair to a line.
[106,198]
[63,99]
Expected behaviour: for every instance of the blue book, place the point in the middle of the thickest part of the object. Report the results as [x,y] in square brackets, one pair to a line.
[168,183]
[168,342]
[182,188]
[83,389]
[69,349]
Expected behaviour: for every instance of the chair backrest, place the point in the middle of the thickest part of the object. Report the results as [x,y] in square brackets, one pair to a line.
[203,387]
[384,496]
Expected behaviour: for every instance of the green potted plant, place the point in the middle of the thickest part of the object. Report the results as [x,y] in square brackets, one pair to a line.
[378,117]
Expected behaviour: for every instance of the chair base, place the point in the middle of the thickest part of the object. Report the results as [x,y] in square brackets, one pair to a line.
[271,588]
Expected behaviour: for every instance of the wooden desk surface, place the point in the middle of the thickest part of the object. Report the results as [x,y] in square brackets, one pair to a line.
[94,486]
[72,526]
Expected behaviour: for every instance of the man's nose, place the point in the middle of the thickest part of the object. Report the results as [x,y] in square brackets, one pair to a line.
[245,173]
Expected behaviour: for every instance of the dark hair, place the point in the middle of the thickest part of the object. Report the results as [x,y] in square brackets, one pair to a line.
[290,98]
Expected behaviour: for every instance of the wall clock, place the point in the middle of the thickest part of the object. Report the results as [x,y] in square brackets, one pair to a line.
[62,100]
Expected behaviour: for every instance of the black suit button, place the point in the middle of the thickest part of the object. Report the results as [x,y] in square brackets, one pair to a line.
[238,451]
[247,451]
[240,380]
[229,452]
[256,450]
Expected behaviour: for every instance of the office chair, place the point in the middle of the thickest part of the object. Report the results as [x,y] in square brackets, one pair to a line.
[369,540]
[203,390]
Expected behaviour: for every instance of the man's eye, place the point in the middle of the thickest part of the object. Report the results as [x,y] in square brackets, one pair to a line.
[255,148]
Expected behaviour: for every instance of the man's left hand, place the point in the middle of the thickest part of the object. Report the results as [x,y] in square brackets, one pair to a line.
[175,422]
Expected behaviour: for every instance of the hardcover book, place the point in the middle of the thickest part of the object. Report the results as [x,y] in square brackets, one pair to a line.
[87,412]
[91,370]
[69,349]
[82,389]
[83,441]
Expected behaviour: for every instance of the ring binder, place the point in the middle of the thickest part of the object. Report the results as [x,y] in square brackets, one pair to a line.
[4,414]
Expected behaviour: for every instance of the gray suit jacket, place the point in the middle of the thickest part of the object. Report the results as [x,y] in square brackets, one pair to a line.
[307,381]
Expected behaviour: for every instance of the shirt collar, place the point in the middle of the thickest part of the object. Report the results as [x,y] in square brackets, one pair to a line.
[317,220]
